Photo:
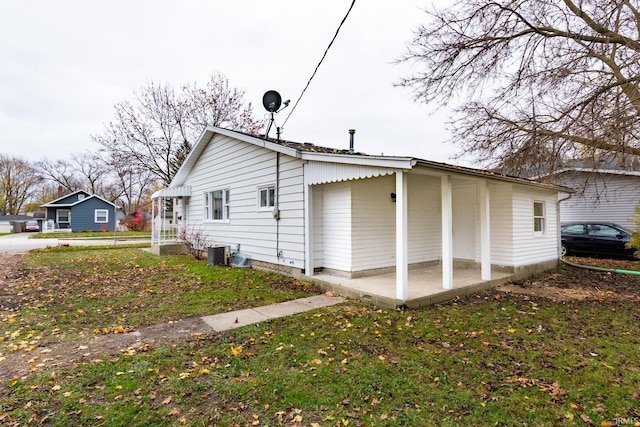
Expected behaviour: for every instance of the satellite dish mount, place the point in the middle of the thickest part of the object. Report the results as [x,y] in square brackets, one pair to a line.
[272,101]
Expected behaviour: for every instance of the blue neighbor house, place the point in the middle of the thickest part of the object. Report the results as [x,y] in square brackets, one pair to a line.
[81,211]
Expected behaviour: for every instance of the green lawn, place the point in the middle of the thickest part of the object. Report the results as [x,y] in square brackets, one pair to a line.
[490,359]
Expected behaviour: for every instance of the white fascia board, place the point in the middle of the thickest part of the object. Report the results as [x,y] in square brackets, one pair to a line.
[52,203]
[386,162]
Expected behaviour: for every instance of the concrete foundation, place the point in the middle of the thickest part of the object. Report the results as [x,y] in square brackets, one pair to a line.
[169,249]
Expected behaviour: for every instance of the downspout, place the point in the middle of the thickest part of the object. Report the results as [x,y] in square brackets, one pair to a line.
[559,229]
[276,210]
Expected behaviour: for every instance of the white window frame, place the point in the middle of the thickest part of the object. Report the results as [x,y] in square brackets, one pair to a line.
[270,191]
[539,220]
[97,213]
[68,216]
[213,213]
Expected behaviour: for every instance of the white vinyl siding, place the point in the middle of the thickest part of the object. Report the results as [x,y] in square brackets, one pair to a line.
[317,224]
[354,223]
[530,247]
[227,163]
[101,216]
[336,212]
[501,223]
[373,231]
[425,225]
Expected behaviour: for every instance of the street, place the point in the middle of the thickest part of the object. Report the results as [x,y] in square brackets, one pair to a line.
[20,242]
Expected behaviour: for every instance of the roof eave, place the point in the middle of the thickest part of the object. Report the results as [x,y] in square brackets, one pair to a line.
[355,159]
[492,175]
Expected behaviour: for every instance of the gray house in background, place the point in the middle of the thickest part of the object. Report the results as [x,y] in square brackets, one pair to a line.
[606,190]
[81,211]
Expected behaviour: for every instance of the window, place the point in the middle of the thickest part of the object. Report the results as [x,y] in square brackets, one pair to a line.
[573,229]
[216,205]
[266,197]
[63,215]
[101,216]
[538,218]
[603,230]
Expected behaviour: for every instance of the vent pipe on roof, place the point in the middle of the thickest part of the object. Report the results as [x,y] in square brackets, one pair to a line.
[351,133]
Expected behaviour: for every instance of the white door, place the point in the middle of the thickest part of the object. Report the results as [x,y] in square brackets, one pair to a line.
[464,222]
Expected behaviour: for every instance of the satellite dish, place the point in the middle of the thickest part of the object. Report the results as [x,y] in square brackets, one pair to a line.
[271,101]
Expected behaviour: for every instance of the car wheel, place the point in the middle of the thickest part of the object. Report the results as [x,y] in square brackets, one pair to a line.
[564,251]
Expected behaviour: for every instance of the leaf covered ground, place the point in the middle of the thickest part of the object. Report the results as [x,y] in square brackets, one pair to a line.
[533,357]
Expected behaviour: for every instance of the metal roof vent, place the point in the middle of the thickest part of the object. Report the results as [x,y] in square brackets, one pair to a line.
[351,134]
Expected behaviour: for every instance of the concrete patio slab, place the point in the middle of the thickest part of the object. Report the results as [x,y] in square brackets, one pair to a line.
[425,286]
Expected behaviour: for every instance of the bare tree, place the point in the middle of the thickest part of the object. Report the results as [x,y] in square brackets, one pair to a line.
[218,104]
[19,181]
[156,130]
[533,82]
[84,171]
[61,173]
[135,184]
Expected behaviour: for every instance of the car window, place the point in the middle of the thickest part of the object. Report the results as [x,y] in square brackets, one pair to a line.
[601,230]
[573,229]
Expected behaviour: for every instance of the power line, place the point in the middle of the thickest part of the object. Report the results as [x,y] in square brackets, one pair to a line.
[319,63]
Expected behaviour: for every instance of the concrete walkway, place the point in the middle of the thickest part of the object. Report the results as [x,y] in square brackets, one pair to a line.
[235,319]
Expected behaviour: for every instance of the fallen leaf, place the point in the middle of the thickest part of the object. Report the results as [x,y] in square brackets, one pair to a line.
[586,419]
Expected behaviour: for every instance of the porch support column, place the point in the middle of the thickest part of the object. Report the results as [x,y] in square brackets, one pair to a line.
[447,231]
[402,267]
[154,240]
[485,232]
[308,232]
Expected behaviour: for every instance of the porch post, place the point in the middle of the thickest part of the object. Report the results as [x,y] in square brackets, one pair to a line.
[447,232]
[154,240]
[308,232]
[174,229]
[402,268]
[485,232]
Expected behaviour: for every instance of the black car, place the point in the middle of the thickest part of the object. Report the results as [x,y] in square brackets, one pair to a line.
[595,239]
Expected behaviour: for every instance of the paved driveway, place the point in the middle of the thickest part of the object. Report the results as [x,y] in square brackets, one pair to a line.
[21,242]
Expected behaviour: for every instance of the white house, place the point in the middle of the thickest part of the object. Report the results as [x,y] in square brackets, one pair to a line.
[309,209]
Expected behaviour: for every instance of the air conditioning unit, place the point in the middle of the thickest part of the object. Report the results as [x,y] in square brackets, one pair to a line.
[218,255]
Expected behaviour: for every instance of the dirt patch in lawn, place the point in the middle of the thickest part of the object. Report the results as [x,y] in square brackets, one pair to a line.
[568,283]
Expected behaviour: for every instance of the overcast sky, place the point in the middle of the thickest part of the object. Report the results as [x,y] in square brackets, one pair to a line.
[65,63]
